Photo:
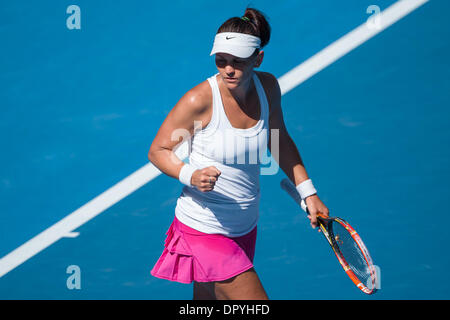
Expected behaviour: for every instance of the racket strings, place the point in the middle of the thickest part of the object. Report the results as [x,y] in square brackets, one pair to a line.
[352,254]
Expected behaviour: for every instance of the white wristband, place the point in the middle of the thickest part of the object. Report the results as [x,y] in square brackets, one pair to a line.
[306,189]
[186,173]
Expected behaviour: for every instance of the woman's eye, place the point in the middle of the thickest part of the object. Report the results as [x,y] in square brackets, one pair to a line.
[220,62]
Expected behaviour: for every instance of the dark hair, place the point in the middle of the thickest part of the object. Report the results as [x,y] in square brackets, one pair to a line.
[256,25]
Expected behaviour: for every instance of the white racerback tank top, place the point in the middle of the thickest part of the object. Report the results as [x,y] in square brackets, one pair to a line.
[232,207]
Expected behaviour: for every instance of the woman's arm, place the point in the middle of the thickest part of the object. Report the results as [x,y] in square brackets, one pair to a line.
[178,126]
[291,162]
[288,157]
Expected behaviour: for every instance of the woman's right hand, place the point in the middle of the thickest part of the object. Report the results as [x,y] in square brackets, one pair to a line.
[205,179]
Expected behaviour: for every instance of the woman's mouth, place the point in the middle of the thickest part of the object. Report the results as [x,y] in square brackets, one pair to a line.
[231,79]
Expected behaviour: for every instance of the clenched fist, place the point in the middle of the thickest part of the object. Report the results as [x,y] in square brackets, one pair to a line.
[205,179]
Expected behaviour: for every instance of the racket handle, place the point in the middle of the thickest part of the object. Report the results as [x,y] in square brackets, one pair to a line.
[291,190]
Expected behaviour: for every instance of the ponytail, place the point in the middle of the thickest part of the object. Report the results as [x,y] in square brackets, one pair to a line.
[253,22]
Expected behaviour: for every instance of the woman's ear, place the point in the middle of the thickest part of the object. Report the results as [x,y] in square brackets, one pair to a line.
[259,59]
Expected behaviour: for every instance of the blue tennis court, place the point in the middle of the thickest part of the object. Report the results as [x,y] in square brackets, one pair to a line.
[80,108]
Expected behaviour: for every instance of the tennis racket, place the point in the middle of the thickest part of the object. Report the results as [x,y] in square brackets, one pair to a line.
[346,244]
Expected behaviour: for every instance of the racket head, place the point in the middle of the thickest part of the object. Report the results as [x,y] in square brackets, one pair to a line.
[346,244]
[352,254]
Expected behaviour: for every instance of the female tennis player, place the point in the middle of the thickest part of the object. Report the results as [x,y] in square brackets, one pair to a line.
[228,120]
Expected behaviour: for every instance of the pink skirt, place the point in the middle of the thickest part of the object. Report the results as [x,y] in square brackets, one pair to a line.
[190,255]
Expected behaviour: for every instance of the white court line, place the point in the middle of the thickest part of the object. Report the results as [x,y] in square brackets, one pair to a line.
[346,44]
[66,226]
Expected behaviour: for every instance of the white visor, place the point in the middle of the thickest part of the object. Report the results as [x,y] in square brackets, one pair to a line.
[237,44]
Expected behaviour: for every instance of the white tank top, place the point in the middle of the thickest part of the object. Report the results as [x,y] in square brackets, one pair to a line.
[232,207]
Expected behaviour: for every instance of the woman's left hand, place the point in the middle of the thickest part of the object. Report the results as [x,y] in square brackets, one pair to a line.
[315,206]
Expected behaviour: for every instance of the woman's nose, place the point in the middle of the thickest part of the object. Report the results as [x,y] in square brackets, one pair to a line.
[229,69]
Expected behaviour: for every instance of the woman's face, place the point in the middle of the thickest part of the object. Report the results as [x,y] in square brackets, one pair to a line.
[236,71]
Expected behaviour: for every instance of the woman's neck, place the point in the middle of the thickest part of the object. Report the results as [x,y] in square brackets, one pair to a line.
[242,92]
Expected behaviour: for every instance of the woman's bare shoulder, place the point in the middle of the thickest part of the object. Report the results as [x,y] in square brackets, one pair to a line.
[194,105]
[267,79]
[271,88]
[199,98]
